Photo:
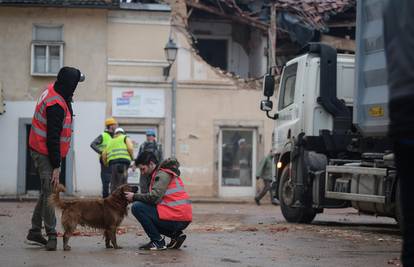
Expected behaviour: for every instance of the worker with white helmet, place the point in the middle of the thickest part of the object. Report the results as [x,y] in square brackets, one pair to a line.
[118,155]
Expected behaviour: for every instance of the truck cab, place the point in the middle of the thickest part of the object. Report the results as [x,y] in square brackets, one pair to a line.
[297,98]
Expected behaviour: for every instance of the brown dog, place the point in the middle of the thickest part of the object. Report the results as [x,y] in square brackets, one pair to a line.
[106,214]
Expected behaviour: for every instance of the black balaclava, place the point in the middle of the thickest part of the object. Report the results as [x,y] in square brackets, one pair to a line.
[66,82]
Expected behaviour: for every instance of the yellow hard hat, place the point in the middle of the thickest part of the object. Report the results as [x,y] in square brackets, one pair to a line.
[110,121]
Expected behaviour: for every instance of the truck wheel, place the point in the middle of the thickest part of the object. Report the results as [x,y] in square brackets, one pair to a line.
[398,211]
[286,197]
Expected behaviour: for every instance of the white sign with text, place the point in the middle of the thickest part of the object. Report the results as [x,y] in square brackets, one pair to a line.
[139,103]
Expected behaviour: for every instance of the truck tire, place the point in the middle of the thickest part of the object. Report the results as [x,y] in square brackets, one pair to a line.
[292,214]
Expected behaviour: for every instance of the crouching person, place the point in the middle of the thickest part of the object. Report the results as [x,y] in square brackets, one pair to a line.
[166,208]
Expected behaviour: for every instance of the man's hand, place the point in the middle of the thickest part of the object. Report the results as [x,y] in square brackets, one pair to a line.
[55,176]
[129,196]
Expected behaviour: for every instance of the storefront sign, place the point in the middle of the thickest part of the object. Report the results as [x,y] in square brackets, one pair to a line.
[139,103]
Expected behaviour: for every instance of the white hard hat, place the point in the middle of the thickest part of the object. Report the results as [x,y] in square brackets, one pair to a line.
[119,130]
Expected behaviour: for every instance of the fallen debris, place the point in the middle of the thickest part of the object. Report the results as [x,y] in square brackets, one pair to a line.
[278,229]
[94,232]
[247,229]
[395,262]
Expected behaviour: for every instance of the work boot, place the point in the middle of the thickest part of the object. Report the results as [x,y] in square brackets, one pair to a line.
[154,245]
[36,237]
[51,243]
[275,201]
[177,241]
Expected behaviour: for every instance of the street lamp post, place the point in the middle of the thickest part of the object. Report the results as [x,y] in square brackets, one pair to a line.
[171,54]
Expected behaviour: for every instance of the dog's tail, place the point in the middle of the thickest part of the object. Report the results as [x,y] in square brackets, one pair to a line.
[55,200]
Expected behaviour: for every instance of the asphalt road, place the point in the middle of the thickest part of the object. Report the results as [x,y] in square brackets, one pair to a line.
[221,235]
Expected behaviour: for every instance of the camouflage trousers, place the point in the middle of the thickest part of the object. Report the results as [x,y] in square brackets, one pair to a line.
[43,211]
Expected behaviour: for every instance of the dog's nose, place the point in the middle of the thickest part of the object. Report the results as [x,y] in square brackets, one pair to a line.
[134,189]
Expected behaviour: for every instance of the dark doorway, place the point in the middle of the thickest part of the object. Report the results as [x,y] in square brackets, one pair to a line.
[214,52]
[32,177]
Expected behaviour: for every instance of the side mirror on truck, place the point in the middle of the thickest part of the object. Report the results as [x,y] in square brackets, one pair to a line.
[266,105]
[268,91]
[268,85]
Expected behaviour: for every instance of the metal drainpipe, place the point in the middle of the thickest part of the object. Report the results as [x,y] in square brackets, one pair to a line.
[173,115]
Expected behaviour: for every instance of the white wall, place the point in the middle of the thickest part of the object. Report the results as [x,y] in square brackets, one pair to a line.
[89,123]
[9,142]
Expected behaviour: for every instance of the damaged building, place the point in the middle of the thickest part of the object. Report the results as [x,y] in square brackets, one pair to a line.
[203,105]
[251,34]
[227,47]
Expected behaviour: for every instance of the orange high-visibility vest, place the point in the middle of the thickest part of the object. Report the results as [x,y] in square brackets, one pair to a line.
[175,205]
[38,132]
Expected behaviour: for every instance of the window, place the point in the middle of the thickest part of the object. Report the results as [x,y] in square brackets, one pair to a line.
[214,52]
[287,93]
[237,157]
[47,50]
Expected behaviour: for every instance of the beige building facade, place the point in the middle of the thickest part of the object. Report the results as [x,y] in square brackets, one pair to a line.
[220,133]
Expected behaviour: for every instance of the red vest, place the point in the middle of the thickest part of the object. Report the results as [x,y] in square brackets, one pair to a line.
[38,132]
[175,205]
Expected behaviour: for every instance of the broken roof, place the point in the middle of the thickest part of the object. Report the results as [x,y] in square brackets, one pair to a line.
[312,13]
[315,13]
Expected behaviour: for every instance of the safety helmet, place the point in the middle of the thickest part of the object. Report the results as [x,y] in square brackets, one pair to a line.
[110,121]
[150,132]
[119,130]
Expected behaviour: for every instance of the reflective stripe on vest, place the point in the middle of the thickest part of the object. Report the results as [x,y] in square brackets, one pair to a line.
[48,100]
[175,205]
[177,188]
[40,118]
[38,133]
[117,149]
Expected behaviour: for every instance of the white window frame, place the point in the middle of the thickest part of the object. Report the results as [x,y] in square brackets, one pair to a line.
[47,44]
[237,191]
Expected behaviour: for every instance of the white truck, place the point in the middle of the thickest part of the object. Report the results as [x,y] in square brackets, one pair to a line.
[330,137]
